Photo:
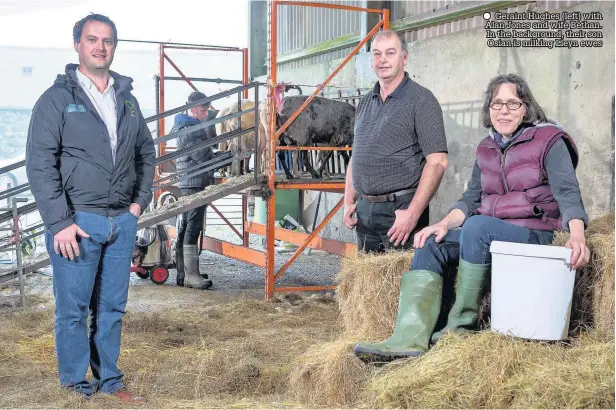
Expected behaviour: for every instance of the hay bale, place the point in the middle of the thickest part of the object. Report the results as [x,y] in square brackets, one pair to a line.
[368,292]
[472,369]
[488,370]
[328,375]
[583,378]
[593,295]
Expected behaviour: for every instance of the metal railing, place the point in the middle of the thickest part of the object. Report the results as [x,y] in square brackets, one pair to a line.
[14,242]
[218,161]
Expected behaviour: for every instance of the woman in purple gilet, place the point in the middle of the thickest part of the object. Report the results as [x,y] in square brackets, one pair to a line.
[523,188]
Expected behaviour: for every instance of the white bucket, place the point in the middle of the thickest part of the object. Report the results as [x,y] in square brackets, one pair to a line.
[532,290]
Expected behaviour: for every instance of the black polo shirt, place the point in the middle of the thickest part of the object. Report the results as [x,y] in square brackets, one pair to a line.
[393,137]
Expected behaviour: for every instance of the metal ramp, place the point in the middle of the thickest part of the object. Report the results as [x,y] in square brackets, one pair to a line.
[207,196]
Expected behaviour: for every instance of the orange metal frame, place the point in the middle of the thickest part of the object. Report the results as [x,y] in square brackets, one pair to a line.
[161,98]
[162,56]
[271,233]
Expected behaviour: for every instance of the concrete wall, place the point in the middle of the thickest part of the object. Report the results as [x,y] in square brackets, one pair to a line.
[574,86]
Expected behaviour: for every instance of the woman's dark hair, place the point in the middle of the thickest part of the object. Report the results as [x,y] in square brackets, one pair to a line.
[534,111]
[78,27]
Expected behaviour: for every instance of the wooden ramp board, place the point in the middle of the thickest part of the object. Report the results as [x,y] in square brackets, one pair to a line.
[208,195]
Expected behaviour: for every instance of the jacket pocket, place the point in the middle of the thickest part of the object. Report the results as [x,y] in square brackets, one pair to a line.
[127,184]
[88,185]
[67,172]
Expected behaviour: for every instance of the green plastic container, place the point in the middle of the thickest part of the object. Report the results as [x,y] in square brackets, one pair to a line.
[287,202]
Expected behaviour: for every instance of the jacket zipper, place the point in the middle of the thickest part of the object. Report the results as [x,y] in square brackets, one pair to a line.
[502,173]
[502,168]
[494,205]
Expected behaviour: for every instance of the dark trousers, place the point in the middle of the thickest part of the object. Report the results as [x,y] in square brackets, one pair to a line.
[191,222]
[374,220]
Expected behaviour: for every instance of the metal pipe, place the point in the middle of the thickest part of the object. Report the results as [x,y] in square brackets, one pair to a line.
[11,167]
[174,178]
[327,80]
[161,102]
[271,172]
[202,125]
[308,239]
[14,191]
[24,209]
[257,118]
[208,80]
[201,145]
[206,48]
[385,18]
[238,145]
[157,90]
[199,102]
[200,168]
[245,70]
[180,72]
[20,268]
[246,234]
[169,44]
[294,148]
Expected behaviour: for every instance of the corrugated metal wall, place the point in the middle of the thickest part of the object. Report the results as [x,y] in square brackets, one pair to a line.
[402,9]
[299,27]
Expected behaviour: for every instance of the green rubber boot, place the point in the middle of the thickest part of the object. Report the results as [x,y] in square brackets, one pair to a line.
[465,310]
[418,309]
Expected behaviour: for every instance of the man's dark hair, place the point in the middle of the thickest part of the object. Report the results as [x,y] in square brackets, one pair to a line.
[534,112]
[196,96]
[78,27]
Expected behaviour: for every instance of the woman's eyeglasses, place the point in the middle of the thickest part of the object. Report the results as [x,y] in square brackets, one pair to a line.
[511,105]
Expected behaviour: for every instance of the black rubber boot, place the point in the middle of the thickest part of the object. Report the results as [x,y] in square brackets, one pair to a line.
[192,277]
[179,263]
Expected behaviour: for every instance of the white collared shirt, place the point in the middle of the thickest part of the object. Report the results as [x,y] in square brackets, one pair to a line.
[105,104]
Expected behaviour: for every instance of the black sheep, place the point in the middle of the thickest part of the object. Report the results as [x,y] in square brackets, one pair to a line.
[324,122]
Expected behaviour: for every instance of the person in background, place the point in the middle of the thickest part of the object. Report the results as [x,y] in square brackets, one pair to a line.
[190,224]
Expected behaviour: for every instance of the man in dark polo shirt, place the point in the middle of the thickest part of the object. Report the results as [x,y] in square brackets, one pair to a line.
[399,153]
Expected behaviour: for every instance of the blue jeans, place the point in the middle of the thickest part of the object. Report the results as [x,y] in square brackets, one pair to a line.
[472,243]
[95,282]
